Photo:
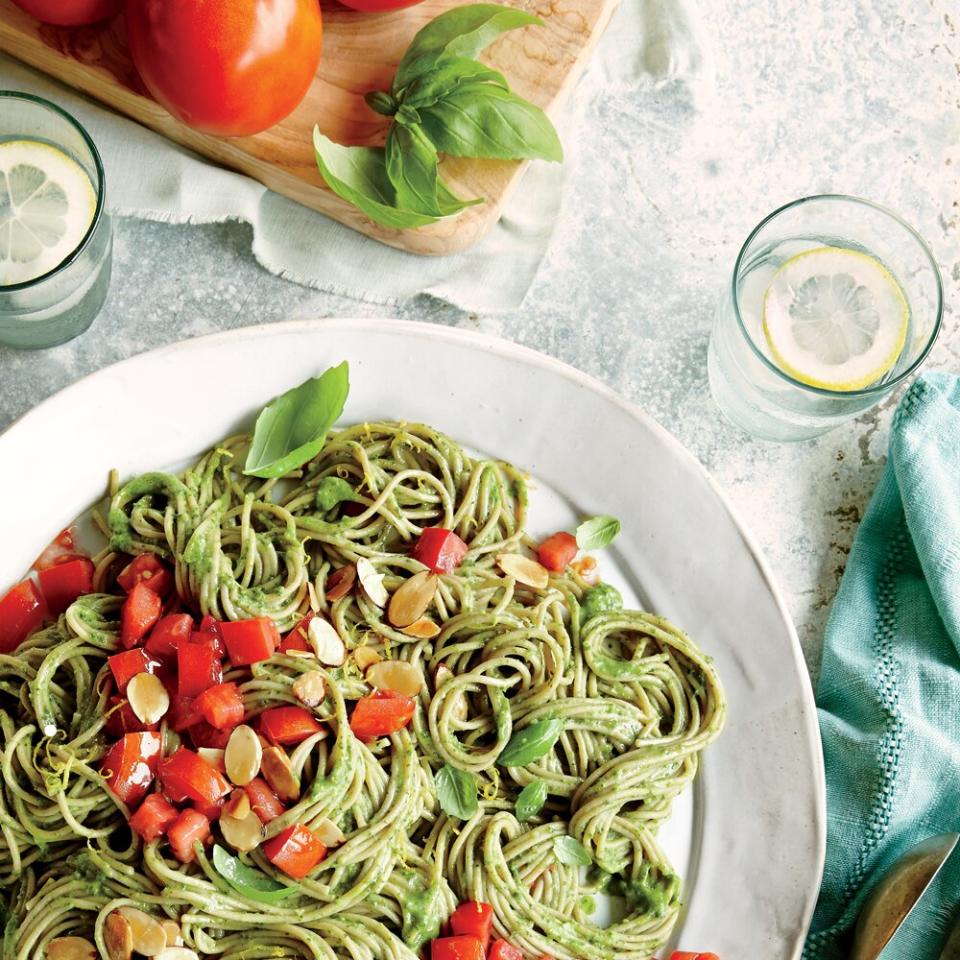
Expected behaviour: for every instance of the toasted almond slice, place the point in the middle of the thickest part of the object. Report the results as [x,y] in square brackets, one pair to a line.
[118,937]
[366,657]
[372,582]
[326,642]
[178,953]
[423,629]
[305,654]
[328,833]
[412,598]
[242,833]
[524,570]
[443,674]
[237,805]
[148,697]
[149,938]
[396,675]
[173,933]
[310,688]
[214,757]
[70,948]
[243,755]
[340,583]
[278,772]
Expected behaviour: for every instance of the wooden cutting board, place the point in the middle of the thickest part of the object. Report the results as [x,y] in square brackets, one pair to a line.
[360,53]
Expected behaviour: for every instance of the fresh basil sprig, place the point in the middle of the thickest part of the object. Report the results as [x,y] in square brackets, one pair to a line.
[571,852]
[291,428]
[441,101]
[456,792]
[531,800]
[597,532]
[531,743]
[249,881]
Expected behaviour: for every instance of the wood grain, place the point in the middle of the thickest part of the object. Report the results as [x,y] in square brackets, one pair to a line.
[360,53]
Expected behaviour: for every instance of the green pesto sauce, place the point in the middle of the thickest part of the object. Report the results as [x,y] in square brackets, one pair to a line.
[421,917]
[600,599]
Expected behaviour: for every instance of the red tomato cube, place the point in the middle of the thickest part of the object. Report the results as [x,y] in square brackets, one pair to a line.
[250,641]
[556,552]
[381,713]
[501,950]
[141,610]
[125,666]
[153,817]
[187,776]
[198,668]
[440,550]
[295,851]
[296,639]
[149,571]
[130,766]
[168,634]
[190,827]
[473,919]
[288,725]
[456,948]
[221,706]
[62,583]
[22,610]
[202,734]
[263,801]
[121,719]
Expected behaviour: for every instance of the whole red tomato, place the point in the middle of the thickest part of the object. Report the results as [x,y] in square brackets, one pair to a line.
[377,6]
[227,67]
[70,13]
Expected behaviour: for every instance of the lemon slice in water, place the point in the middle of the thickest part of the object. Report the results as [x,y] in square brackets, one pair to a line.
[835,318]
[47,204]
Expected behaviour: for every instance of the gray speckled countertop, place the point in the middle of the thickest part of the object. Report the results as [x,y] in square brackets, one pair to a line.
[813,96]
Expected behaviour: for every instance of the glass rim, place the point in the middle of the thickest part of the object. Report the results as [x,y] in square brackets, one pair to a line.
[101,184]
[874,389]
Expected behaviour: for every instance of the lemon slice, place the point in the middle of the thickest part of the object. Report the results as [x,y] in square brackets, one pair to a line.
[835,318]
[47,203]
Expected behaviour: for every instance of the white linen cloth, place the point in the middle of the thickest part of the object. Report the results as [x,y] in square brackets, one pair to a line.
[648,43]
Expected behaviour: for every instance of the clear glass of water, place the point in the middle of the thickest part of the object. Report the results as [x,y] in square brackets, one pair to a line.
[55,234]
[833,302]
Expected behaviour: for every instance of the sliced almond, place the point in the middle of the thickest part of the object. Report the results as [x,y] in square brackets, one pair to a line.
[242,833]
[117,937]
[237,805]
[310,688]
[178,953]
[278,772]
[149,938]
[173,933]
[366,657]
[243,755]
[70,948]
[524,570]
[304,654]
[328,833]
[214,757]
[148,697]
[412,598]
[443,674]
[423,629]
[341,582]
[326,642]
[372,582]
[396,675]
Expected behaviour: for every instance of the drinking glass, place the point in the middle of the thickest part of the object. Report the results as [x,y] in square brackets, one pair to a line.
[747,384]
[63,302]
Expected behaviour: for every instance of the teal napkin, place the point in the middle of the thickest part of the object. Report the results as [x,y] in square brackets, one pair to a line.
[889,691]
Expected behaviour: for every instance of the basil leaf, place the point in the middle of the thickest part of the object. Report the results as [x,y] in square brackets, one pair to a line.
[484,120]
[448,74]
[359,176]
[572,853]
[293,427]
[531,743]
[457,792]
[531,800]
[331,491]
[597,532]
[249,881]
[461,32]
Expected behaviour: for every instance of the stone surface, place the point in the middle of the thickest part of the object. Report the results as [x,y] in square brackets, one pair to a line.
[812,96]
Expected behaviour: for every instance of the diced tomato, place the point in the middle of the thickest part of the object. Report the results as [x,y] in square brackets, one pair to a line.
[149,571]
[296,639]
[557,551]
[440,550]
[62,547]
[198,668]
[473,919]
[187,776]
[121,719]
[125,666]
[250,641]
[189,827]
[182,713]
[141,610]
[22,610]
[210,810]
[170,631]
[204,735]
[263,801]
[456,948]
[687,955]
[295,851]
[153,817]
[222,706]
[210,631]
[62,583]
[288,725]
[130,766]
[501,950]
[381,713]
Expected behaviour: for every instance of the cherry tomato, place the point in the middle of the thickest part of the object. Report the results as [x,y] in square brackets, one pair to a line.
[70,13]
[227,67]
[378,6]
